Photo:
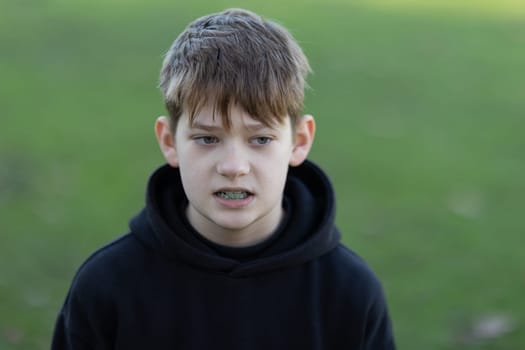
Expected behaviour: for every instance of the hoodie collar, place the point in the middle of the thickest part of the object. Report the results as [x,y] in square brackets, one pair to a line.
[308,230]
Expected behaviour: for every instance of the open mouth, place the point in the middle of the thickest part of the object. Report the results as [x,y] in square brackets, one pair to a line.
[233,195]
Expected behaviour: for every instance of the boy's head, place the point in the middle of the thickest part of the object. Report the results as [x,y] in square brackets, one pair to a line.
[235,57]
[233,85]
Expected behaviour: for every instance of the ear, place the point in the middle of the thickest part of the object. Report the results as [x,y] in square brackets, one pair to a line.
[304,138]
[166,140]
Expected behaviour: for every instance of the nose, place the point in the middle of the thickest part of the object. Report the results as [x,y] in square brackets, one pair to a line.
[233,162]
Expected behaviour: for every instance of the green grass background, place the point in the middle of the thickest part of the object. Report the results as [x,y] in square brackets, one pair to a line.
[421,117]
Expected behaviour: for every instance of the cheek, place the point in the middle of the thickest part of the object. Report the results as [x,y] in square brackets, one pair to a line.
[275,174]
[191,172]
[193,185]
[189,159]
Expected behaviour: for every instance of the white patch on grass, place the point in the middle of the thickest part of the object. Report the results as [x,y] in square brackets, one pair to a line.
[486,328]
[467,203]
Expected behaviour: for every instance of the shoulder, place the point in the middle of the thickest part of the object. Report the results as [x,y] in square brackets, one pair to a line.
[99,272]
[356,289]
[89,311]
[351,273]
[110,253]
[348,262]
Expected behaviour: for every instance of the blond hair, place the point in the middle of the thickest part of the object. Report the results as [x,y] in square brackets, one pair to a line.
[235,56]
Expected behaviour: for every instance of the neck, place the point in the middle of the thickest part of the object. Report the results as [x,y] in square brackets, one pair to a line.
[256,232]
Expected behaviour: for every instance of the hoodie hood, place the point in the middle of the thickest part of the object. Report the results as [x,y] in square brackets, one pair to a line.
[307,232]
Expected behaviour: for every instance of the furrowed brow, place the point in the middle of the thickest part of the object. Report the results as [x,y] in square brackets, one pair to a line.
[257,127]
[206,127]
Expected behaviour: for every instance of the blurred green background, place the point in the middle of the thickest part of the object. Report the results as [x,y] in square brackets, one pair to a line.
[421,117]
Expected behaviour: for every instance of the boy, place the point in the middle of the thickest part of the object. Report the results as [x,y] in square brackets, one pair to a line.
[236,247]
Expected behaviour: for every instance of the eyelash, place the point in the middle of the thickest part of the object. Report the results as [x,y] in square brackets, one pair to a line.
[266,139]
[203,140]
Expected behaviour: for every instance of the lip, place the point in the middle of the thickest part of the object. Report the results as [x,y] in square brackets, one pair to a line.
[234,203]
[233,189]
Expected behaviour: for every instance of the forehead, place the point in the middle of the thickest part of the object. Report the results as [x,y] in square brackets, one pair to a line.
[208,116]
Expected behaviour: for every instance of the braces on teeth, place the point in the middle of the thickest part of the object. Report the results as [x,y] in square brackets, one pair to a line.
[232,195]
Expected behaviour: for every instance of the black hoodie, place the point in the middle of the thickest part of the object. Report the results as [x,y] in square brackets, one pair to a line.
[164,286]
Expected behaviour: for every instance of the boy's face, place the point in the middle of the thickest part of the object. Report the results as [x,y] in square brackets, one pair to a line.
[234,179]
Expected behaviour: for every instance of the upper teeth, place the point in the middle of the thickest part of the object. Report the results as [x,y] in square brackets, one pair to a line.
[233,194]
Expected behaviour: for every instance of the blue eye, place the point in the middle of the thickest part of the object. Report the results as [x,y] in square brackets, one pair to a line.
[261,140]
[206,140]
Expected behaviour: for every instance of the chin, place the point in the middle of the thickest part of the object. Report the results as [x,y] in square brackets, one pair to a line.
[233,223]
[233,226]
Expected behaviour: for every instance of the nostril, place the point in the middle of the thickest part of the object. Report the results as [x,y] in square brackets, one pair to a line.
[233,166]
